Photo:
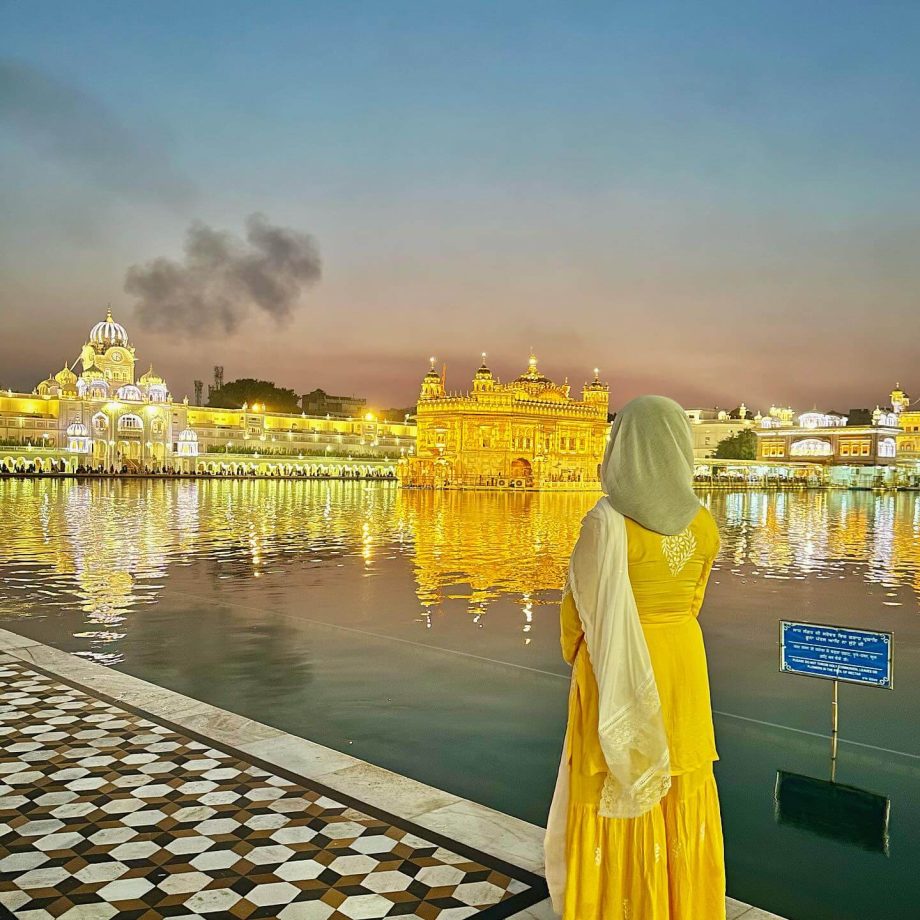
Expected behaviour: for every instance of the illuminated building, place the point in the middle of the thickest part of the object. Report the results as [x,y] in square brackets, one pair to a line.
[850,450]
[709,427]
[95,413]
[528,434]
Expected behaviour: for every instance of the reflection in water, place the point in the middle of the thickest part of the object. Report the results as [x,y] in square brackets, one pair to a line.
[851,816]
[480,547]
[106,547]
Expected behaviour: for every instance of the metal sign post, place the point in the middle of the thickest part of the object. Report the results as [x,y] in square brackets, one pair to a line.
[837,653]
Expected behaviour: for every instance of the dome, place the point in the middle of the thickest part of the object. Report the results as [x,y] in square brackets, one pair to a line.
[108,333]
[129,391]
[483,370]
[149,377]
[187,435]
[48,385]
[533,375]
[596,384]
[77,430]
[65,376]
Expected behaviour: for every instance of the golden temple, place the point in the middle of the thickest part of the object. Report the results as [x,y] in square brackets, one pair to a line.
[529,433]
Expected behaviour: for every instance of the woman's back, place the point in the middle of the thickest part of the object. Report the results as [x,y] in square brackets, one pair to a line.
[668,574]
[668,577]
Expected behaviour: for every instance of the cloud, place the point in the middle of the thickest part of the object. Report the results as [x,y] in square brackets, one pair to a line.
[78,131]
[222,278]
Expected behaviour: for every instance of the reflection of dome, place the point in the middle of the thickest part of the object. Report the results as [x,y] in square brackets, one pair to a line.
[129,391]
[77,430]
[108,333]
[187,435]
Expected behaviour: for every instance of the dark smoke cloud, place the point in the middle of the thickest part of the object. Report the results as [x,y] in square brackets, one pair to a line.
[222,278]
[76,130]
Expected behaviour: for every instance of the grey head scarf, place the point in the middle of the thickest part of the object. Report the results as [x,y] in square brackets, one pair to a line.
[647,470]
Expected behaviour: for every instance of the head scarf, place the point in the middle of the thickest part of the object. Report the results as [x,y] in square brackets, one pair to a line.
[647,471]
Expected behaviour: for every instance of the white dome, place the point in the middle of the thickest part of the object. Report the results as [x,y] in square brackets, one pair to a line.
[187,435]
[108,332]
[129,391]
[77,430]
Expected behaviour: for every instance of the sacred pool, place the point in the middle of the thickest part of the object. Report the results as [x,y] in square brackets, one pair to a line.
[418,630]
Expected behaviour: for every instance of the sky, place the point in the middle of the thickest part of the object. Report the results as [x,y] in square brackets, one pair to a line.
[716,201]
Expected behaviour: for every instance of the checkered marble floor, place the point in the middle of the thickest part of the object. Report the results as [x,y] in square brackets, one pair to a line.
[106,812]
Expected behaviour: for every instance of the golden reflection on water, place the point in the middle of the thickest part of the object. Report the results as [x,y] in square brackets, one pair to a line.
[105,547]
[477,547]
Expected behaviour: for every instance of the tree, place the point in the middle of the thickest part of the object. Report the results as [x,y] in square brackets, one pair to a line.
[232,395]
[740,446]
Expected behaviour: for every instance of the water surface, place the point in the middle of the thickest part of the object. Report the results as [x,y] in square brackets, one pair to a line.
[419,631]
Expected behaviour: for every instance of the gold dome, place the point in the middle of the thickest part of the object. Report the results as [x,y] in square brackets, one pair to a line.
[65,376]
[150,377]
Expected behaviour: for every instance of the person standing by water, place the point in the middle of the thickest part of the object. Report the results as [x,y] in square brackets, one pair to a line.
[635,831]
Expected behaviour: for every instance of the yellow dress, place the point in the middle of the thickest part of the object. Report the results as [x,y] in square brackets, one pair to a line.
[669,863]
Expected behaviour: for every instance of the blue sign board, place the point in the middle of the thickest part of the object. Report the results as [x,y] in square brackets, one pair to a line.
[858,656]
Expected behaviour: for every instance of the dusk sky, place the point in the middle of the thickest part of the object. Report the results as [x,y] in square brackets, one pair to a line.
[716,201]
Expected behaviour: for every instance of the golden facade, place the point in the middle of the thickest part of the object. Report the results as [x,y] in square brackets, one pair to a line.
[526,434]
[909,419]
[97,413]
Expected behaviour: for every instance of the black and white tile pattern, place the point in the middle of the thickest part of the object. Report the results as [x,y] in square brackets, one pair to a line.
[107,813]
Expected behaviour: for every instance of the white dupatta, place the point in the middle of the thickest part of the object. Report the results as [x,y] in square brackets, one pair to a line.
[630,725]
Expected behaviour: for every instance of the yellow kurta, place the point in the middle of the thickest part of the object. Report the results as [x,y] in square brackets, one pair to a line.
[667,864]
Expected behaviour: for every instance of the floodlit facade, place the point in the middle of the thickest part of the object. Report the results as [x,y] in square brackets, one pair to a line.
[847,450]
[96,414]
[526,434]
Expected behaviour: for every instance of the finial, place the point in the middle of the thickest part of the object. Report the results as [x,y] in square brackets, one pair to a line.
[108,314]
[432,359]
[483,357]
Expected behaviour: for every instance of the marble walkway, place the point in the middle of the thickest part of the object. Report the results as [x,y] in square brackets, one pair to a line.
[119,798]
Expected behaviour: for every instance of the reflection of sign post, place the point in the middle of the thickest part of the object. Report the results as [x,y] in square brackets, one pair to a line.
[844,813]
[836,653]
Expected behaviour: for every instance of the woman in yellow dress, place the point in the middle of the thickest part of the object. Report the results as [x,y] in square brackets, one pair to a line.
[635,831]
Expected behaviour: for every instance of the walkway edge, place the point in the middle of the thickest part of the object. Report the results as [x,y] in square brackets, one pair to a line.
[500,835]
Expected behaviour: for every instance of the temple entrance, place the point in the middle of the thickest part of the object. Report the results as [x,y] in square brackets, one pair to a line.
[521,472]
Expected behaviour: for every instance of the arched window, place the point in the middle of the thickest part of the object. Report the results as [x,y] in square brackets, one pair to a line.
[100,422]
[130,422]
[811,447]
[887,447]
